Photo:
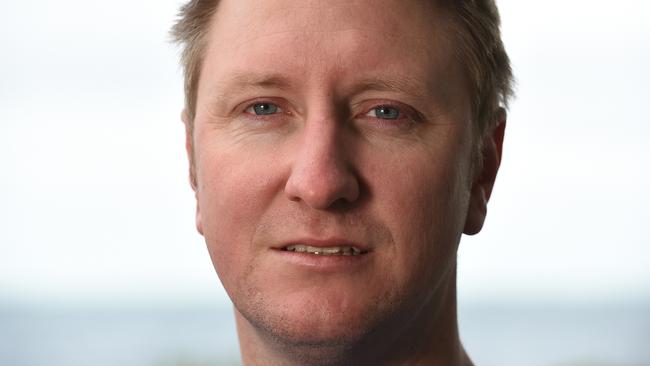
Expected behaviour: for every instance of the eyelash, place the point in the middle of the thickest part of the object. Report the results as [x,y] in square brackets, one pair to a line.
[253,105]
[406,113]
[281,110]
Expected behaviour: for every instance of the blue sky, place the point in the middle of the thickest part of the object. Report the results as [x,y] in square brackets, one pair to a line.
[95,204]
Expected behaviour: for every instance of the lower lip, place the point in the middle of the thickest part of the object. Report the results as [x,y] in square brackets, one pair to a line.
[323,263]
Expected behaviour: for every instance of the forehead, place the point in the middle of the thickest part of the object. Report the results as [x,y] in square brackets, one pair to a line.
[330,39]
[391,17]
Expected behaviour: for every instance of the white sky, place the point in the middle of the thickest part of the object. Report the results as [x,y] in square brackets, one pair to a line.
[94,199]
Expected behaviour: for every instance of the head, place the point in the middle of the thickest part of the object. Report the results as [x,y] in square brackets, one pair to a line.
[477,46]
[340,127]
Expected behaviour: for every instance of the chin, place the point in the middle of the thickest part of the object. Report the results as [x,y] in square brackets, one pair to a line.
[320,319]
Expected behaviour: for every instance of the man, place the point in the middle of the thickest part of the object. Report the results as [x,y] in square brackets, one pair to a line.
[338,150]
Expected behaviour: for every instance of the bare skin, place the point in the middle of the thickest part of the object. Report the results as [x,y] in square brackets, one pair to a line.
[414,344]
[333,145]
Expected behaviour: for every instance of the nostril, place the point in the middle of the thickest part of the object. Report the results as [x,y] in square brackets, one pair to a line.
[321,189]
[321,174]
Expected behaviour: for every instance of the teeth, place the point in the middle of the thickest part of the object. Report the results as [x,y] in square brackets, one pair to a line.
[344,250]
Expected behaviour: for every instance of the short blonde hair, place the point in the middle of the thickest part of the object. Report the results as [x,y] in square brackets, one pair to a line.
[479,47]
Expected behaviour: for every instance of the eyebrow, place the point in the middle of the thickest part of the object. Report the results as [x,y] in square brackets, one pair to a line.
[240,82]
[403,85]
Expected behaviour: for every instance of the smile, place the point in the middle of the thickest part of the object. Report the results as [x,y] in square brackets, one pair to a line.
[327,251]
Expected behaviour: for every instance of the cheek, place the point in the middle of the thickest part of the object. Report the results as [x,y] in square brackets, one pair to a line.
[424,206]
[232,196]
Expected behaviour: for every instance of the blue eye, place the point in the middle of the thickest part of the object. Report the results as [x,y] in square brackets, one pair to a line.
[263,109]
[384,112]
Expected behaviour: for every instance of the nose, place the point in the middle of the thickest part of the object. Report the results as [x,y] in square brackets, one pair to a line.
[321,173]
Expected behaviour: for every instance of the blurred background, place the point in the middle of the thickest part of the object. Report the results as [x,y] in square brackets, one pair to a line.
[100,262]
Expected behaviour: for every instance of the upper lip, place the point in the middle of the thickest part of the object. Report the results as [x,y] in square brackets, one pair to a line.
[324,243]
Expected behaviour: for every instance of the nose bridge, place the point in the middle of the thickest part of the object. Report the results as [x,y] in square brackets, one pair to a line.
[321,173]
[321,146]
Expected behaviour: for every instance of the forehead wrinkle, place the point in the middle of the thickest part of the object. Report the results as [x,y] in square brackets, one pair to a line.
[239,82]
[332,14]
[404,85]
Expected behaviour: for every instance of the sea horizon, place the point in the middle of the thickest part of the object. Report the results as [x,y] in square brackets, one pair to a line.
[203,333]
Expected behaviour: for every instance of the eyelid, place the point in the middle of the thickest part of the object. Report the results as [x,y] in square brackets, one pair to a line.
[406,111]
[383,106]
[251,104]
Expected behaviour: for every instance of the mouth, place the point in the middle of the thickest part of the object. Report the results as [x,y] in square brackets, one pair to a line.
[343,250]
[328,256]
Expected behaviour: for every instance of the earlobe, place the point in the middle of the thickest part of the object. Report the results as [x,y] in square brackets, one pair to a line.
[199,220]
[484,182]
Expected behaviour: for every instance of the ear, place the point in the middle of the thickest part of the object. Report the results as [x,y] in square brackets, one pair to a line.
[189,148]
[484,179]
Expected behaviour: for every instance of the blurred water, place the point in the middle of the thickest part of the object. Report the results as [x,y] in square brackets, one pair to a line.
[205,335]
[117,336]
[570,335]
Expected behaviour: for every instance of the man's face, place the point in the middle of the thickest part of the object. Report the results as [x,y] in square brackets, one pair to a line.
[334,127]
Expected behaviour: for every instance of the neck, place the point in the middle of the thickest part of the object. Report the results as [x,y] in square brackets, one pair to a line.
[430,338]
